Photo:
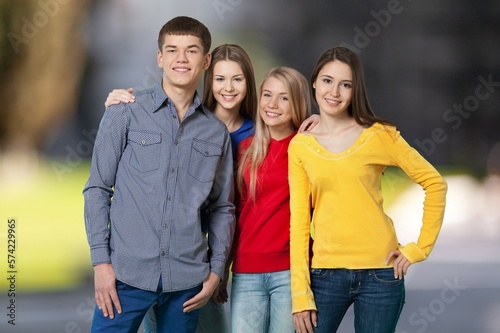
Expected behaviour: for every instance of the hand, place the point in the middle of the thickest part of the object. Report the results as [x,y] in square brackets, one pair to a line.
[401,264]
[309,123]
[201,298]
[304,321]
[120,95]
[105,290]
[220,295]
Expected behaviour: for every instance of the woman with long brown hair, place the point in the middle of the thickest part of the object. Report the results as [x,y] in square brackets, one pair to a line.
[336,169]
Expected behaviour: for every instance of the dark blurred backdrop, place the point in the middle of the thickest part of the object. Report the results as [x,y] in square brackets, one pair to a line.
[432,67]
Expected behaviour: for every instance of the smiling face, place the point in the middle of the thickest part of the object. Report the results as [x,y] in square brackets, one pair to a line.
[229,85]
[182,60]
[333,87]
[275,109]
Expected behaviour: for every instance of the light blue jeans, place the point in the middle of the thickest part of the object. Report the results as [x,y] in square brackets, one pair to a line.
[211,319]
[261,303]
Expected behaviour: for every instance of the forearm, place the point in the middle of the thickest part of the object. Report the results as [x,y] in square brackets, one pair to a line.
[222,214]
[432,220]
[98,191]
[220,236]
[302,297]
[96,214]
[435,187]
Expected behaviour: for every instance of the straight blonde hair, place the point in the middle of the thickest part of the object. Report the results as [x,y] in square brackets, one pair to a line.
[299,96]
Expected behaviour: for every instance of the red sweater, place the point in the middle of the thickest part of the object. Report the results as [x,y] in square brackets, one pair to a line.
[262,238]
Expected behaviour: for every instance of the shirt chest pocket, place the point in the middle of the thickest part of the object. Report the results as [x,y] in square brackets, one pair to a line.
[203,160]
[145,150]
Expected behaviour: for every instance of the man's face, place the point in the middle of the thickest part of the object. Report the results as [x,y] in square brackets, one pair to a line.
[182,60]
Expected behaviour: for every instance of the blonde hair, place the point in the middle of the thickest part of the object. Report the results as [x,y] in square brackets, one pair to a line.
[297,88]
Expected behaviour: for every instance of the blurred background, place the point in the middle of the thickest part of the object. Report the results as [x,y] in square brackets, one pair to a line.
[432,67]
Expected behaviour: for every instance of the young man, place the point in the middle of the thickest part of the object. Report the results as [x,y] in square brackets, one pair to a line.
[156,162]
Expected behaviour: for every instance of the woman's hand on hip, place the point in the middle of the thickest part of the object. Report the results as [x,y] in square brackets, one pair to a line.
[401,264]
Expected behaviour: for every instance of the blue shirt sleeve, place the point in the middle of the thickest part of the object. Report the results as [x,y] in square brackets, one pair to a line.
[110,142]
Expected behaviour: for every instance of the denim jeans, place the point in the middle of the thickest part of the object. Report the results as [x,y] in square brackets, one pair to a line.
[135,302]
[211,319]
[261,303]
[377,296]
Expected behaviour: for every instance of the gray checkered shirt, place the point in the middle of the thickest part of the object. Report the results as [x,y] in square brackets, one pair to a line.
[149,178]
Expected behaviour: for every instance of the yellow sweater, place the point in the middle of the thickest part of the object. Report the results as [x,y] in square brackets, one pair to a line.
[351,229]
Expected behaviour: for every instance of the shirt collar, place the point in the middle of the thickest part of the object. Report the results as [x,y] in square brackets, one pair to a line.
[160,97]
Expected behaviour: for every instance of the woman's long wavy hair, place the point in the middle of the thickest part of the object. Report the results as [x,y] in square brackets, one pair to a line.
[300,105]
[236,53]
[360,107]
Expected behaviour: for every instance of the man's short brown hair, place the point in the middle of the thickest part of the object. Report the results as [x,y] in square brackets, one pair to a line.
[182,26]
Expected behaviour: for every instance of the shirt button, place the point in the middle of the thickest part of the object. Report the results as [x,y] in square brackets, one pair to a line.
[174,116]
[308,143]
[176,142]
[172,170]
[349,151]
[143,142]
[163,253]
[318,151]
[165,226]
[169,198]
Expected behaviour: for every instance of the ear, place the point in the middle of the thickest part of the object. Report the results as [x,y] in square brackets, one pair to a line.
[208,59]
[159,59]
[314,85]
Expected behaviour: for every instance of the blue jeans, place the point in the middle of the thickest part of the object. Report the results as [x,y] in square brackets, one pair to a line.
[261,303]
[211,319]
[135,302]
[377,296]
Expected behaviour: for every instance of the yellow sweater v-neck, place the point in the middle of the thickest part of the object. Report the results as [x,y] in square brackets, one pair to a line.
[351,229]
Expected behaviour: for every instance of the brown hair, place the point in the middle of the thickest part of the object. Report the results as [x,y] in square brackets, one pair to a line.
[182,26]
[237,54]
[360,107]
